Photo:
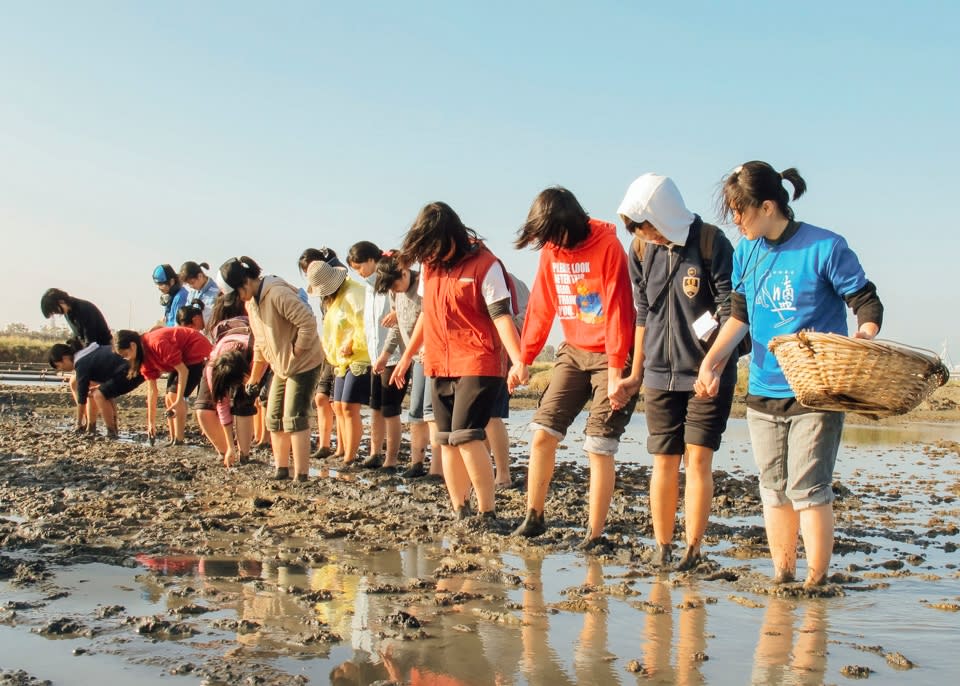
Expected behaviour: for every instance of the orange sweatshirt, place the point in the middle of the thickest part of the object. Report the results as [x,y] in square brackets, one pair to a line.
[588,287]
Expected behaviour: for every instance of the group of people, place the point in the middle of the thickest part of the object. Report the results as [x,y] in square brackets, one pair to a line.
[441,316]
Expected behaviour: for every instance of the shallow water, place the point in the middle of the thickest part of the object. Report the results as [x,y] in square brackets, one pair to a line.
[555,619]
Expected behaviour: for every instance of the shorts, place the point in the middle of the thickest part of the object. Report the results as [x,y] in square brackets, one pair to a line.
[119,384]
[418,384]
[579,376]
[194,374]
[796,455]
[325,383]
[290,403]
[501,405]
[352,389]
[241,404]
[428,415]
[462,407]
[678,418]
[386,397]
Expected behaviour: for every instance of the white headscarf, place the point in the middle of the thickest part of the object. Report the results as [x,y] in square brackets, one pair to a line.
[656,199]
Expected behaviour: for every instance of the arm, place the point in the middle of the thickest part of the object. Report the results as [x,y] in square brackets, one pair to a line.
[399,376]
[631,384]
[708,381]
[182,373]
[541,311]
[517,375]
[301,316]
[866,305]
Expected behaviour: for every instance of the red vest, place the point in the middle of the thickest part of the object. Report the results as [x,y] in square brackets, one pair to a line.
[459,336]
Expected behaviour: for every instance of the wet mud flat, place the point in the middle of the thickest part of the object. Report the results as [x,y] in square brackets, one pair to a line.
[159,564]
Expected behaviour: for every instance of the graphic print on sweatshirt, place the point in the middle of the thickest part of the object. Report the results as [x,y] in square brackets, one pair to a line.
[777,295]
[578,295]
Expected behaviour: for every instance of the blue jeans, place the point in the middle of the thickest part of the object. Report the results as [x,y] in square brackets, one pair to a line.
[418,383]
[796,456]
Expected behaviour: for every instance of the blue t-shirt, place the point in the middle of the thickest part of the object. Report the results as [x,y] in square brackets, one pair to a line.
[797,285]
[178,300]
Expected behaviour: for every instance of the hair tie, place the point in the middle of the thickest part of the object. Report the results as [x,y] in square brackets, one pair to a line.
[388,253]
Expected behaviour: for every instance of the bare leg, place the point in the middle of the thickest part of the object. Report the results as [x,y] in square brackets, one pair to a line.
[180,419]
[300,447]
[108,408]
[783,525]
[500,447]
[436,452]
[394,431]
[325,420]
[280,441]
[209,423]
[243,426]
[543,457]
[603,477]
[419,436]
[698,493]
[377,432]
[171,422]
[353,429]
[664,495]
[341,427]
[816,523]
[455,475]
[476,459]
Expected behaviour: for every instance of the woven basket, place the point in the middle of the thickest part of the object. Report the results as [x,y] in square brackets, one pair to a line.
[878,379]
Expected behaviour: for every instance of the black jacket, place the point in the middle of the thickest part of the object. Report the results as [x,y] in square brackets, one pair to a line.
[672,351]
[87,323]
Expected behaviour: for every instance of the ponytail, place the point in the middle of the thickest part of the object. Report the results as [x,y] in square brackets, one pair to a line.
[753,183]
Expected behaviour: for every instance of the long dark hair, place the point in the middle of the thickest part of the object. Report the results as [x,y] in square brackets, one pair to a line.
[753,183]
[555,217]
[50,301]
[437,238]
[225,308]
[237,270]
[227,372]
[126,337]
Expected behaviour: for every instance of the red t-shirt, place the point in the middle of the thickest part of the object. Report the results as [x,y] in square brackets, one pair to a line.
[165,348]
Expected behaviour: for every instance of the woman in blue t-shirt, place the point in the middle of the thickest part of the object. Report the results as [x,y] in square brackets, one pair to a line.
[788,276]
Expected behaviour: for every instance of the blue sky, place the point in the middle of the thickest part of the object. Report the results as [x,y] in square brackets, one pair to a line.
[133,133]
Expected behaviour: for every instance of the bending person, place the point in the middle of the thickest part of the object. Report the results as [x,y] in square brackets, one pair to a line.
[94,365]
[285,337]
[178,351]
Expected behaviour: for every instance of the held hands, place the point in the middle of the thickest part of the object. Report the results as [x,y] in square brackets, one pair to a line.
[707,384]
[616,393]
[629,386]
[518,375]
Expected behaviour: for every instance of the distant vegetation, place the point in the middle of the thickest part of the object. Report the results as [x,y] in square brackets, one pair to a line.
[19,344]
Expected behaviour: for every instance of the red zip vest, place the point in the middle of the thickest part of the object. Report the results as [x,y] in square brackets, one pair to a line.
[459,336]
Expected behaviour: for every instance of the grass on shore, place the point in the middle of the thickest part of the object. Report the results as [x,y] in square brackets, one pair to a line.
[23,349]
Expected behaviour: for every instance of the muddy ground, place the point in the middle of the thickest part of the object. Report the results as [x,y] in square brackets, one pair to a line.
[70,499]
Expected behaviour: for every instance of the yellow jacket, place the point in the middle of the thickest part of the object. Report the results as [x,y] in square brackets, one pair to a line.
[343,325]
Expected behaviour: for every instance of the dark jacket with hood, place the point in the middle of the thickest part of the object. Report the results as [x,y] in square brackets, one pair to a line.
[672,350]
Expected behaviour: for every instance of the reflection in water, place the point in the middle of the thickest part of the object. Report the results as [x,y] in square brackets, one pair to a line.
[786,656]
[691,640]
[591,657]
[540,663]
